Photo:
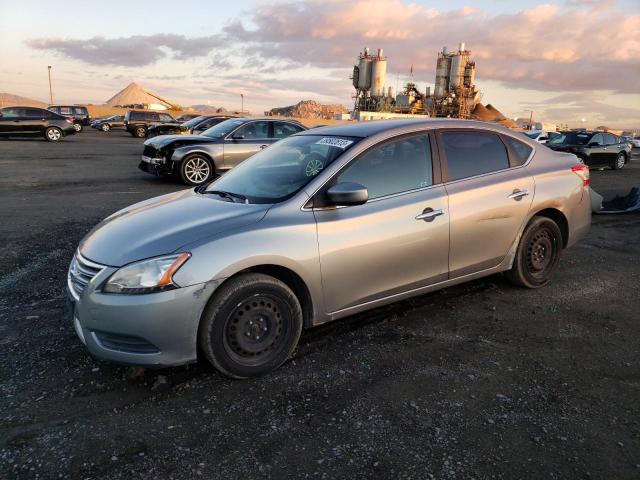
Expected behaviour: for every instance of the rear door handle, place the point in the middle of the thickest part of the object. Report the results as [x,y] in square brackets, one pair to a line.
[518,194]
[429,214]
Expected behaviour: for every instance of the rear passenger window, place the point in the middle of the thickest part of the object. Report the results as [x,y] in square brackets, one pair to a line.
[610,139]
[282,130]
[34,113]
[394,167]
[473,153]
[520,150]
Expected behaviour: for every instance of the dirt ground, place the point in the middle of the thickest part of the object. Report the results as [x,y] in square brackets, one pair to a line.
[480,381]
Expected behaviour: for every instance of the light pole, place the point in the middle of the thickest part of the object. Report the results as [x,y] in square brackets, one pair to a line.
[531,120]
[50,90]
[242,103]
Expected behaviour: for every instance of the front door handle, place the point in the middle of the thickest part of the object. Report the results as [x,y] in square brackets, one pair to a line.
[429,214]
[518,194]
[263,146]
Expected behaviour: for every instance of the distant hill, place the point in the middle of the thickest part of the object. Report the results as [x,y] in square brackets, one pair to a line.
[309,109]
[8,99]
[208,109]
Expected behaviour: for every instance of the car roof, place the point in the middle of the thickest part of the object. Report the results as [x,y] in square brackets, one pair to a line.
[370,128]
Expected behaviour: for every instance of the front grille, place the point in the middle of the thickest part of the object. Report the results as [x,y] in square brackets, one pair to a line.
[81,272]
[125,343]
[151,152]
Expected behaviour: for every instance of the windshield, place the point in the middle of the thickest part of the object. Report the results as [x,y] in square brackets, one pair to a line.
[222,129]
[278,172]
[193,122]
[570,138]
[533,135]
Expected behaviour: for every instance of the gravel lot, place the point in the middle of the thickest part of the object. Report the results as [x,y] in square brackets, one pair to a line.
[483,380]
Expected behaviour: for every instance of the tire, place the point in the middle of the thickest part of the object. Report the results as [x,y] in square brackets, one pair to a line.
[105,127]
[196,169]
[53,134]
[77,127]
[620,162]
[140,132]
[537,255]
[250,326]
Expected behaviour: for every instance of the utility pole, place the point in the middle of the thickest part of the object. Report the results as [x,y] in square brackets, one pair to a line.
[50,90]
[242,103]
[531,121]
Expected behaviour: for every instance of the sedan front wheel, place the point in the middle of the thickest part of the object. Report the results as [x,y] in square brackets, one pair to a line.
[251,325]
[196,170]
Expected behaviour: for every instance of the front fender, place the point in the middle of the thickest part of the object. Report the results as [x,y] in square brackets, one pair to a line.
[214,152]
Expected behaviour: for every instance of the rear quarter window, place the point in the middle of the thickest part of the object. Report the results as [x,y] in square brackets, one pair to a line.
[520,151]
[473,153]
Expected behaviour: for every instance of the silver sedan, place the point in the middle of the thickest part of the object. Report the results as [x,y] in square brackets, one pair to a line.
[321,225]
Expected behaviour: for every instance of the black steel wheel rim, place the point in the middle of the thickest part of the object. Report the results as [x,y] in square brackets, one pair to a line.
[255,330]
[541,252]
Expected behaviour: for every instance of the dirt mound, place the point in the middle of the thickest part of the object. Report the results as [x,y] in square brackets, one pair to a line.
[491,114]
[8,99]
[309,109]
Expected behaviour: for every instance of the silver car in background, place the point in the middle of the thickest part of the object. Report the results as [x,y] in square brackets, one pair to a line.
[321,225]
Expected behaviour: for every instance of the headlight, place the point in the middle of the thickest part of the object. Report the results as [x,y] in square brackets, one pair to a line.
[147,276]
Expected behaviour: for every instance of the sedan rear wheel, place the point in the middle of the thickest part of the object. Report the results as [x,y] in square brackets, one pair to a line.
[620,162]
[251,325]
[53,134]
[537,255]
[196,170]
[105,127]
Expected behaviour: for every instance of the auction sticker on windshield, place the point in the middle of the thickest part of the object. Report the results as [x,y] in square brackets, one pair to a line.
[335,142]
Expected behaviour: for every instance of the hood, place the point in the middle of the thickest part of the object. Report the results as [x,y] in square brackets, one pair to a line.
[162,225]
[162,141]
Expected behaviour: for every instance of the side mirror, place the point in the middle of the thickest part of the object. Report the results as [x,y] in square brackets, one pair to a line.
[593,144]
[347,194]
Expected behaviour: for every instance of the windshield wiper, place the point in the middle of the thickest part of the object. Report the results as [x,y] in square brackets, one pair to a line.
[229,195]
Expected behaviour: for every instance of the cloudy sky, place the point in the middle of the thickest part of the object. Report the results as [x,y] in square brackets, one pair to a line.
[566,61]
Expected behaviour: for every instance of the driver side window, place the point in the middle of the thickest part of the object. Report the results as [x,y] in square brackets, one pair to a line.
[393,167]
[597,139]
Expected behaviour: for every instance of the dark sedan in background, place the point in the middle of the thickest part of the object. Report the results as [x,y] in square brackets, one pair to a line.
[108,123]
[595,149]
[34,122]
[194,126]
[197,158]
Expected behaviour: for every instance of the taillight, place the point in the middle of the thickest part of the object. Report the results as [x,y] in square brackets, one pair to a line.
[583,172]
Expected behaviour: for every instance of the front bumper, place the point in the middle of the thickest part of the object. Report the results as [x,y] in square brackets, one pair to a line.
[155,166]
[150,330]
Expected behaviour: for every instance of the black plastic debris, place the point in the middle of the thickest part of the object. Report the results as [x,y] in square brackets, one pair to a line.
[625,204]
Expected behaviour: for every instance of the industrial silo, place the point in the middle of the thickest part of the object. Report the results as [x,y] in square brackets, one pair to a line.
[442,74]
[364,71]
[457,71]
[378,74]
